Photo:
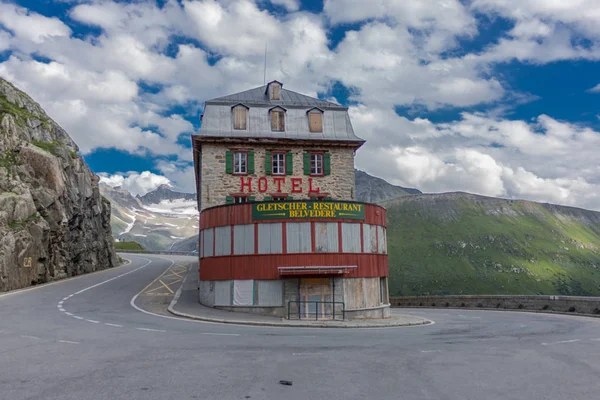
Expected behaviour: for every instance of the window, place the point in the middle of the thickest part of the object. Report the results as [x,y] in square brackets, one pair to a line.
[278,120]
[315,121]
[278,164]
[239,117]
[275,90]
[240,199]
[279,198]
[320,196]
[240,162]
[316,164]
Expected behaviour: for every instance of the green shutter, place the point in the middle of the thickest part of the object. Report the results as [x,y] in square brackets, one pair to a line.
[250,162]
[251,198]
[327,164]
[289,163]
[306,163]
[268,163]
[228,199]
[229,162]
[268,198]
[290,198]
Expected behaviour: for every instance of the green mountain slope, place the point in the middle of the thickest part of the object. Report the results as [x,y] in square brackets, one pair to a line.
[458,243]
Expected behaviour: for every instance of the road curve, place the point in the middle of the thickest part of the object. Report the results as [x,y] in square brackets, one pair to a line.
[82,339]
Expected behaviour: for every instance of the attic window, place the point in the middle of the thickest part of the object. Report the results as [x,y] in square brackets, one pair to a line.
[315,120]
[275,91]
[240,117]
[278,119]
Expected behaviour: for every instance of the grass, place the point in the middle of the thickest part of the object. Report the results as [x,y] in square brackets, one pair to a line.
[470,251]
[21,114]
[14,225]
[50,147]
[128,246]
[9,159]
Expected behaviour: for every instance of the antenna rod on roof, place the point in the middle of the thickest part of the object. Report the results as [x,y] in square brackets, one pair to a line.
[265,73]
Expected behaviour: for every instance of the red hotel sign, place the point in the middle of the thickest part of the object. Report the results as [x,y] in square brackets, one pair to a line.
[262,184]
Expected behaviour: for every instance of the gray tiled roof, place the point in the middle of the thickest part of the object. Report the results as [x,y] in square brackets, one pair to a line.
[218,119]
[258,96]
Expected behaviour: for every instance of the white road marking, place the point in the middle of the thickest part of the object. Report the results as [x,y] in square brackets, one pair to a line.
[150,330]
[68,313]
[562,341]
[68,341]
[93,321]
[115,325]
[71,278]
[30,337]
[219,334]
[77,316]
[61,309]
[112,279]
[60,302]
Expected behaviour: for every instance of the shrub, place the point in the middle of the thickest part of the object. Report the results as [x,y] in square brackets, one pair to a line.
[546,307]
[572,309]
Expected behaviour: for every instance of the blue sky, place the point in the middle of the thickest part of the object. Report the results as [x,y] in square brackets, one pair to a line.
[495,97]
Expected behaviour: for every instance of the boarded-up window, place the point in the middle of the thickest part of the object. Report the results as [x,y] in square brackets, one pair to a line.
[298,237]
[270,293]
[277,120]
[243,239]
[270,238]
[326,237]
[208,242]
[381,240]
[223,241]
[315,121]
[243,292]
[350,237]
[275,91]
[239,117]
[370,238]
[222,293]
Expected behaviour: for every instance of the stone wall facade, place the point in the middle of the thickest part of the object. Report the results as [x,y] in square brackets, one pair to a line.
[573,304]
[215,184]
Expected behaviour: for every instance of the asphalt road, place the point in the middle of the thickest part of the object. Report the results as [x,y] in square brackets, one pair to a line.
[96,345]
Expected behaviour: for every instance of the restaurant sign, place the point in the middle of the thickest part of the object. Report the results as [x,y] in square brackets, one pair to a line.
[307,209]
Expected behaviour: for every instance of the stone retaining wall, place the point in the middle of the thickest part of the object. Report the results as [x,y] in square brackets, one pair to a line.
[574,304]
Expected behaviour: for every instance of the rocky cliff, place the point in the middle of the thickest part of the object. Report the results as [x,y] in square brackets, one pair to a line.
[53,221]
[371,189]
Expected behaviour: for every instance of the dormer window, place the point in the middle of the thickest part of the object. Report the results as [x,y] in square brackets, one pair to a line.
[315,120]
[274,90]
[240,117]
[277,119]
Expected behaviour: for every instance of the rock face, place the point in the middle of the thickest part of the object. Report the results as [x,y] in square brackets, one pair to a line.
[162,193]
[371,189]
[53,221]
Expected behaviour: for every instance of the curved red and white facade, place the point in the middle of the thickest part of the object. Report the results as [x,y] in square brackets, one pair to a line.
[262,265]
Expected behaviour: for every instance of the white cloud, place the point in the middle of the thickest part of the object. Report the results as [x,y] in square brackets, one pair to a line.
[30,25]
[595,89]
[544,160]
[135,182]
[290,5]
[399,54]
